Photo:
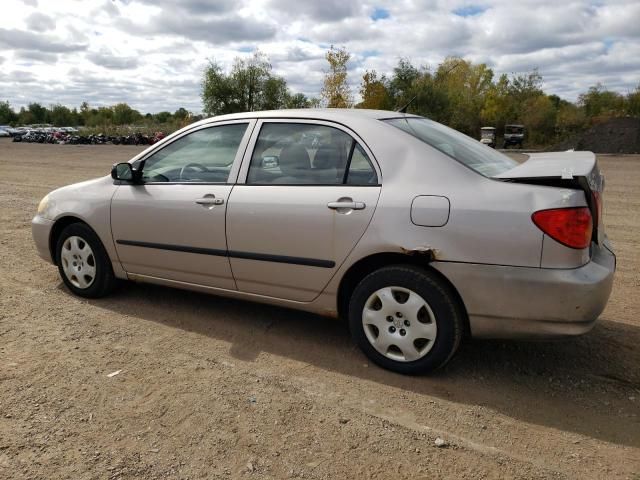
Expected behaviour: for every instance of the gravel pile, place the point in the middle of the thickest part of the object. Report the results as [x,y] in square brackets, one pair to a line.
[618,135]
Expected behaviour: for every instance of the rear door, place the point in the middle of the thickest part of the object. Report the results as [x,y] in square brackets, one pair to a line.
[306,194]
[173,225]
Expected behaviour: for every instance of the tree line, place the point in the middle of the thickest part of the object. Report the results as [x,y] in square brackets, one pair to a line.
[457,92]
[62,116]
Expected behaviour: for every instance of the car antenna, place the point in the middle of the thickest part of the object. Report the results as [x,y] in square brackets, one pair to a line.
[404,109]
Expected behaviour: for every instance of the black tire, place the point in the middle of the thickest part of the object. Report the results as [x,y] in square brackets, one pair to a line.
[449,316]
[104,280]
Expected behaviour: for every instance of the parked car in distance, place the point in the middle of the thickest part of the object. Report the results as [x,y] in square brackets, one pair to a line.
[4,133]
[513,135]
[414,233]
[488,136]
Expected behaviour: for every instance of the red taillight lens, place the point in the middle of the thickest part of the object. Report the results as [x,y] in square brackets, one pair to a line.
[569,226]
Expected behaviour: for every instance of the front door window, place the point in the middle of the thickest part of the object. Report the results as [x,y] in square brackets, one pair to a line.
[204,156]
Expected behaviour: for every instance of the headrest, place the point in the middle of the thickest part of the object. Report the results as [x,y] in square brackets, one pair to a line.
[327,156]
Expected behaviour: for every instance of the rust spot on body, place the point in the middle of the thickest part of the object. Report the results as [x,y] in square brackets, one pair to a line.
[430,253]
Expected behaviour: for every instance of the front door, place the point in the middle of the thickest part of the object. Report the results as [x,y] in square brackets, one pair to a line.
[309,195]
[173,225]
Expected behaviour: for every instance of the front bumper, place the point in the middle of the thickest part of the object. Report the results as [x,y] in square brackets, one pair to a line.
[520,302]
[41,231]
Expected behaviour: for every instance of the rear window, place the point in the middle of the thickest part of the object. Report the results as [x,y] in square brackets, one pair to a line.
[466,150]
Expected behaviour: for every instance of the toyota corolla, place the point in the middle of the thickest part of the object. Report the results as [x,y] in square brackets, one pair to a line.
[414,233]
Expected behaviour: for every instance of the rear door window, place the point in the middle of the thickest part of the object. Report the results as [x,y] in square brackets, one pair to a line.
[308,154]
[361,171]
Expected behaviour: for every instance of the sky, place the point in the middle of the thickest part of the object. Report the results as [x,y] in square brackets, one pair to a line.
[151,53]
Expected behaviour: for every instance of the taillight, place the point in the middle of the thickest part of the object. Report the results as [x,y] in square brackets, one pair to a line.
[569,226]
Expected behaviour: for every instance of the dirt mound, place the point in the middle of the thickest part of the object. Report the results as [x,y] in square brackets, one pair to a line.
[618,135]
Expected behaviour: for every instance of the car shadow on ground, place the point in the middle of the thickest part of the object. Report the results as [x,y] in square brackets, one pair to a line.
[588,385]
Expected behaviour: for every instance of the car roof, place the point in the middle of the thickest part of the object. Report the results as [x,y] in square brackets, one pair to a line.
[334,114]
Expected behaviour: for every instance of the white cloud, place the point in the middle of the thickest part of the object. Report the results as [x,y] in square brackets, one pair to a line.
[150,53]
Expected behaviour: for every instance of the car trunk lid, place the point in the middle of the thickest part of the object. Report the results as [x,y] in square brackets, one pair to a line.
[578,170]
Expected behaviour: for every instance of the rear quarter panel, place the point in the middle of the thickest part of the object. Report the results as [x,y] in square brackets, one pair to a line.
[489,222]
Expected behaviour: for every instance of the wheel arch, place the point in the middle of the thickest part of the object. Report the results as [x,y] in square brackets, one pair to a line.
[57,228]
[369,264]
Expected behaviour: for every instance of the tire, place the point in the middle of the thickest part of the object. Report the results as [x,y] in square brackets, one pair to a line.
[92,277]
[440,317]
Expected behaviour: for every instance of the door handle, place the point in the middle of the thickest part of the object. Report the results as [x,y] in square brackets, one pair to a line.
[209,200]
[351,205]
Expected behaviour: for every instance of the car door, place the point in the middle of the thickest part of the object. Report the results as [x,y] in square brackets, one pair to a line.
[309,192]
[172,226]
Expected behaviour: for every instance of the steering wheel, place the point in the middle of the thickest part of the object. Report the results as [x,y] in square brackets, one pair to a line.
[192,166]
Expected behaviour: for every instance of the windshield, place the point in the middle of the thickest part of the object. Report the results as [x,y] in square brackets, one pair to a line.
[466,150]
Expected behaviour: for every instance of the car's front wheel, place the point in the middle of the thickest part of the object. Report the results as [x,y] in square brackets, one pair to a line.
[406,319]
[83,263]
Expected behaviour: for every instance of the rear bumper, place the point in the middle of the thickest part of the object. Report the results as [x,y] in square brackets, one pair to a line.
[41,230]
[516,302]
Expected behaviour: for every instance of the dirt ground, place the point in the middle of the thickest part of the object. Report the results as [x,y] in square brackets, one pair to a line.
[215,388]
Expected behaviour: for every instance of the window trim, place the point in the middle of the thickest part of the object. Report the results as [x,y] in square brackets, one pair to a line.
[347,167]
[246,162]
[237,161]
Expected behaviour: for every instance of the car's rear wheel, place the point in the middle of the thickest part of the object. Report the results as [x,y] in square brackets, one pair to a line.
[83,263]
[406,319]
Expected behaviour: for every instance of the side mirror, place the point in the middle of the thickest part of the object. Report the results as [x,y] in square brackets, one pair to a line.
[125,173]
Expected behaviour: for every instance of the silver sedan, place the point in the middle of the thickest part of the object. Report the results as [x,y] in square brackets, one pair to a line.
[414,233]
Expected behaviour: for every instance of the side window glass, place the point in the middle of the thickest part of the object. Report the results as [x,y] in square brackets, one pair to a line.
[203,156]
[299,154]
[361,171]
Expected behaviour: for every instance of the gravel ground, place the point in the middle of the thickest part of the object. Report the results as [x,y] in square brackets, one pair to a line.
[215,388]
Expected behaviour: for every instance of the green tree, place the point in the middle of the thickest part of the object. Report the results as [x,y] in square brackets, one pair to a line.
[465,87]
[417,88]
[123,114]
[498,107]
[251,85]
[25,117]
[85,113]
[525,86]
[300,100]
[218,92]
[76,118]
[335,90]
[162,117]
[102,116]
[181,114]
[38,113]
[401,85]
[598,101]
[7,115]
[274,95]
[374,92]
[632,103]
[539,116]
[60,116]
[251,78]
[570,119]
